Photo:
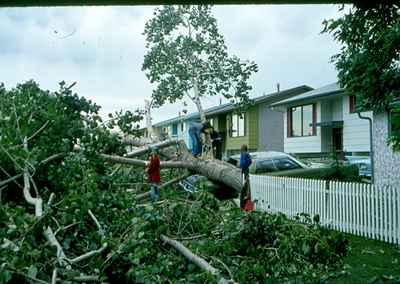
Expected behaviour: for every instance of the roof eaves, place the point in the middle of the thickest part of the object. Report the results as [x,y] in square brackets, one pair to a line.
[317,96]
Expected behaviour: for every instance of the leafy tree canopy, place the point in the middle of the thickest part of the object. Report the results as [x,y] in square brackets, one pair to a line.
[53,122]
[186,52]
[368,62]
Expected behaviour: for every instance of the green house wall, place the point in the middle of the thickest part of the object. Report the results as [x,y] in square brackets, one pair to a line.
[233,144]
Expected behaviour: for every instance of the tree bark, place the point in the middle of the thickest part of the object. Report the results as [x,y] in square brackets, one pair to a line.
[148,119]
[146,148]
[200,262]
[215,170]
[196,100]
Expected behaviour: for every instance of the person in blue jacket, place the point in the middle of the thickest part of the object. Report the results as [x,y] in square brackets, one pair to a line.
[245,162]
[195,130]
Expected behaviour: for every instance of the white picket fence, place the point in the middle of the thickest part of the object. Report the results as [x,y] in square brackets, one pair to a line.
[355,208]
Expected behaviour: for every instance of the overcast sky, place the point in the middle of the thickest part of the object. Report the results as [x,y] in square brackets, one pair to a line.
[102,48]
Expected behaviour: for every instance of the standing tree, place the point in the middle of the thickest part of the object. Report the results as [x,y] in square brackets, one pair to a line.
[369,60]
[187,56]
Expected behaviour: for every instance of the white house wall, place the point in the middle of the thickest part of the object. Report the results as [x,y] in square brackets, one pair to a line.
[355,130]
[307,144]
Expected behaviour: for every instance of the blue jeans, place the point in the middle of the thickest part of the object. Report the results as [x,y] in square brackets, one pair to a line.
[196,144]
[154,192]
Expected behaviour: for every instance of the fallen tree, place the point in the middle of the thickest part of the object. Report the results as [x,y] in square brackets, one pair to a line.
[93,229]
[217,171]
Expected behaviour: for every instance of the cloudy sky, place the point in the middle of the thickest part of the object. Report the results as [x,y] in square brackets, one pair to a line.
[102,48]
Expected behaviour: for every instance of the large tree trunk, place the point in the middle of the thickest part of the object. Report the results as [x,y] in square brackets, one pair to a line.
[215,170]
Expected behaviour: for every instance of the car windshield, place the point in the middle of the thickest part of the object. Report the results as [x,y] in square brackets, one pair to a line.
[265,166]
[284,164]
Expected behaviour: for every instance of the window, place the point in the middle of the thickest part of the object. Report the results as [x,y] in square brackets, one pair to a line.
[352,104]
[265,166]
[301,121]
[182,127]
[174,129]
[238,128]
[286,164]
[211,121]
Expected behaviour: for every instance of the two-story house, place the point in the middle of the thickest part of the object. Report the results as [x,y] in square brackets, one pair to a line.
[323,120]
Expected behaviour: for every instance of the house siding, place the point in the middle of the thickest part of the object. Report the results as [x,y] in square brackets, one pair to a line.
[386,162]
[355,130]
[233,144]
[270,129]
[307,144]
[331,110]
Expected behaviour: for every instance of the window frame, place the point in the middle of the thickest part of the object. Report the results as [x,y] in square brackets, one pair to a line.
[231,132]
[290,120]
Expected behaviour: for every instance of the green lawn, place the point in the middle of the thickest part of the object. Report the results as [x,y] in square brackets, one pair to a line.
[369,260]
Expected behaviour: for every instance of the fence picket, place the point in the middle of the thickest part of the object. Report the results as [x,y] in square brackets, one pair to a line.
[360,209]
[390,212]
[357,201]
[398,215]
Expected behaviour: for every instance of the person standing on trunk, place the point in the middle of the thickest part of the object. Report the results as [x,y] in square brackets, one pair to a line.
[153,171]
[245,162]
[195,130]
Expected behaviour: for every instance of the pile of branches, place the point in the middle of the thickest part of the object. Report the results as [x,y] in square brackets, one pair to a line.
[69,216]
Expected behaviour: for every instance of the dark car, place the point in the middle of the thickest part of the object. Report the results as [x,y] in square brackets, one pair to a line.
[363,163]
[270,161]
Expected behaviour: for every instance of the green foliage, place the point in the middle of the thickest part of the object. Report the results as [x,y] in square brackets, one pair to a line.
[53,123]
[257,247]
[186,49]
[368,62]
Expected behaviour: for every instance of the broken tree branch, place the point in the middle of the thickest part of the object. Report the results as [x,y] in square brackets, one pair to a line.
[39,130]
[168,183]
[101,231]
[89,254]
[51,198]
[141,163]
[4,182]
[200,262]
[54,276]
[146,149]
[37,202]
[61,257]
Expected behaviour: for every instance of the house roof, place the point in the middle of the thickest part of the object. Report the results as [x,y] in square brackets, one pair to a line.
[268,98]
[328,90]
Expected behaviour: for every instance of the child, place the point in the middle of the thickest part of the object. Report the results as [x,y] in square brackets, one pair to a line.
[153,171]
[245,162]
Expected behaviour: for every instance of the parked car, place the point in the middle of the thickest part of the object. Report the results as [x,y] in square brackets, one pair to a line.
[270,161]
[363,163]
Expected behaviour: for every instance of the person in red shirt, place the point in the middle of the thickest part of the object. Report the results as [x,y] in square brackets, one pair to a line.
[153,172]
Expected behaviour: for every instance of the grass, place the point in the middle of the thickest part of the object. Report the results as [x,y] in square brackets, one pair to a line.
[370,261]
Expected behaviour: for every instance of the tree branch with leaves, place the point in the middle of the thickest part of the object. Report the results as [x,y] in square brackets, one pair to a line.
[187,57]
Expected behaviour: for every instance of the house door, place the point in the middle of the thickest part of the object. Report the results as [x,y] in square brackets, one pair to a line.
[337,139]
